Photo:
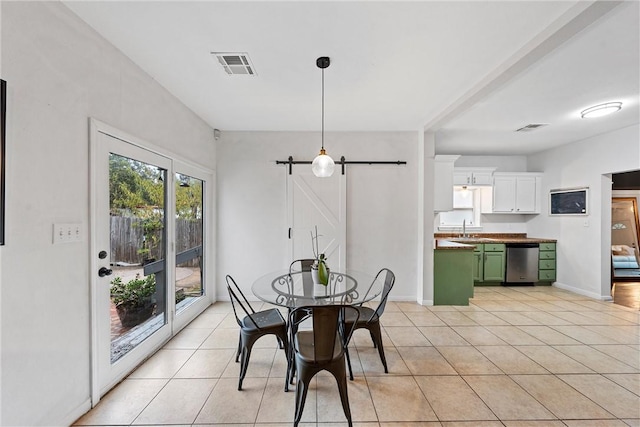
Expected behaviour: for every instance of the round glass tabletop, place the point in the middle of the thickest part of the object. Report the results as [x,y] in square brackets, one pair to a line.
[296,288]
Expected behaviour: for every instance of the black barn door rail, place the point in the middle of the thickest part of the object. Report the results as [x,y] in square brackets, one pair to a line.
[342,162]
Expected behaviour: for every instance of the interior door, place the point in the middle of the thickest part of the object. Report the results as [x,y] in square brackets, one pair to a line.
[317,202]
[130,276]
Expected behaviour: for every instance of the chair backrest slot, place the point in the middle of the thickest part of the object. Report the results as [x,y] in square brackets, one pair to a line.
[305,264]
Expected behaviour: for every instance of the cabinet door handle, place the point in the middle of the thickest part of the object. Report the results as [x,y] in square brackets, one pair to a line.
[474,179]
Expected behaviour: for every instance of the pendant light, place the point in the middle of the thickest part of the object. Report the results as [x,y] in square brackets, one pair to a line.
[323,164]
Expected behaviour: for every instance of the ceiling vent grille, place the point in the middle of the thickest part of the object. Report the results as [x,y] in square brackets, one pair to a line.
[235,63]
[531,127]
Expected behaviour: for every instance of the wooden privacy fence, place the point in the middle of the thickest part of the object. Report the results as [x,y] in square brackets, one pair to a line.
[127,239]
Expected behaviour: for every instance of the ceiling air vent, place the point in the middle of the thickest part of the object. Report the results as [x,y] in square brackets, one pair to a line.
[531,127]
[235,63]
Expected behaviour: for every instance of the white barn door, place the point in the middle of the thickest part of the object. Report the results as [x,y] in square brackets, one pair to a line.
[320,202]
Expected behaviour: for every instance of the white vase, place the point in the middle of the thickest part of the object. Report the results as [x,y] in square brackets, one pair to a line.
[319,290]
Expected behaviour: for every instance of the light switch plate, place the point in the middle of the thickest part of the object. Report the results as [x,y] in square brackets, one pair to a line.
[67,232]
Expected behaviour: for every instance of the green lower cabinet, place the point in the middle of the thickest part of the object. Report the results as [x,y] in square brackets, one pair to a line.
[547,275]
[452,276]
[547,263]
[494,266]
[489,263]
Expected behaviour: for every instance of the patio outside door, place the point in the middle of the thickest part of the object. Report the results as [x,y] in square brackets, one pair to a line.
[130,274]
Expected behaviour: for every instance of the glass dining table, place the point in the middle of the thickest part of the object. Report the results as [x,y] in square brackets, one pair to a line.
[296,288]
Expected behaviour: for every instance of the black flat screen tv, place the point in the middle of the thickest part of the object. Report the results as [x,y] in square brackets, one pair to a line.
[569,202]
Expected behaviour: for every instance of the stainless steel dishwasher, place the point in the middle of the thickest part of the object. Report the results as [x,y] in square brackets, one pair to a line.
[522,263]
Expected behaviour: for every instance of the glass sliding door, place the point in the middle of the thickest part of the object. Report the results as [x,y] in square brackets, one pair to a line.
[189,237]
[137,195]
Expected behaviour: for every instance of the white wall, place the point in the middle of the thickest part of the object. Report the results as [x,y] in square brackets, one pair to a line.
[60,73]
[501,163]
[583,250]
[1,75]
[382,203]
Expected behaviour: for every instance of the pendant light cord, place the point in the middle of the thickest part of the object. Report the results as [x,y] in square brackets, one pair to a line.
[322,137]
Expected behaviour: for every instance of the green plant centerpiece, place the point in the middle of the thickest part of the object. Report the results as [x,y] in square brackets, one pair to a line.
[319,269]
[134,299]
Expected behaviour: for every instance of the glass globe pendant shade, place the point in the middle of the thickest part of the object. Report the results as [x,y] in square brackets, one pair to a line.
[323,165]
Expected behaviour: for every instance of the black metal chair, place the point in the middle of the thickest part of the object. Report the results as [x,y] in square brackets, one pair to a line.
[254,325]
[304,264]
[370,319]
[321,348]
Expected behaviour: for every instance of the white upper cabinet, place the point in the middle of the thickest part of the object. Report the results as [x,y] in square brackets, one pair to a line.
[516,193]
[473,176]
[443,172]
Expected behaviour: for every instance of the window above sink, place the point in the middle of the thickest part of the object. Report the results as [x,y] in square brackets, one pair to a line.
[466,207]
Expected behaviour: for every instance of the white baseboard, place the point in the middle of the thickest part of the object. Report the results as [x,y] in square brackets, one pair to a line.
[581,291]
[75,414]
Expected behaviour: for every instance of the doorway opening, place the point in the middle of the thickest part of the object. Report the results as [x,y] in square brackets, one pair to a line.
[625,237]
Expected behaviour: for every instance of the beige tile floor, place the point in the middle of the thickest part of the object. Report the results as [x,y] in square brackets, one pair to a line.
[515,357]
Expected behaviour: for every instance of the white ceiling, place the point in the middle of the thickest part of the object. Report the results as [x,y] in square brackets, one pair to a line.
[473,72]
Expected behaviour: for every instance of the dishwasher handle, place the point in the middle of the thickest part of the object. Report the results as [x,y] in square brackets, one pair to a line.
[522,245]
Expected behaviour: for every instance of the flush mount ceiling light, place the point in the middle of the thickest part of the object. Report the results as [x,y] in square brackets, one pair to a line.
[601,110]
[323,165]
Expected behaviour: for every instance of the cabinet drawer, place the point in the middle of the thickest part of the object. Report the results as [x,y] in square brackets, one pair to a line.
[547,246]
[494,247]
[547,254]
[547,264]
[478,248]
[547,275]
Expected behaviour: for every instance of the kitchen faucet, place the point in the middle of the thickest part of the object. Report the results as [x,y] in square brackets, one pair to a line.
[464,228]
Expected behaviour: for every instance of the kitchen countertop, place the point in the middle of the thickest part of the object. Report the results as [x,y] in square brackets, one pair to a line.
[451,241]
